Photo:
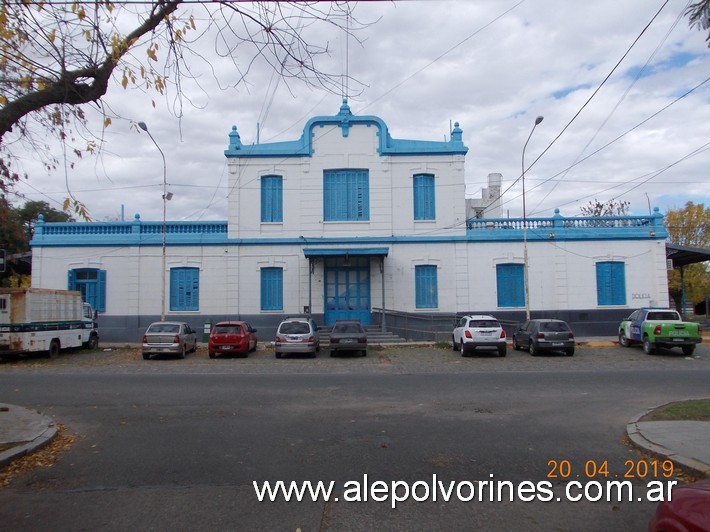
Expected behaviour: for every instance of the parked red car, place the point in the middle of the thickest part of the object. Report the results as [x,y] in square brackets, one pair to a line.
[687,511]
[231,337]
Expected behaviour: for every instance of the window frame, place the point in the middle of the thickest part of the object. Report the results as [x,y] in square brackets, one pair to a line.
[611,283]
[271,293]
[346,195]
[426,286]
[183,297]
[510,285]
[424,197]
[272,199]
[97,299]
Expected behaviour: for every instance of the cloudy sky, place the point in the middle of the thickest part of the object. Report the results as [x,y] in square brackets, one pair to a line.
[624,91]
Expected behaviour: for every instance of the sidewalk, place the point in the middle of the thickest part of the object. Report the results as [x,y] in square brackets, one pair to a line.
[22,431]
[684,442]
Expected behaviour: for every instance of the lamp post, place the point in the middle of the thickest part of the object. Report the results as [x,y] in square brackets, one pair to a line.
[166,197]
[525,227]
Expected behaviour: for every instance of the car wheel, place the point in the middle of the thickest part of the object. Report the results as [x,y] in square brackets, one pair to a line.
[363,353]
[183,351]
[277,354]
[534,351]
[569,351]
[53,349]
[212,354]
[688,350]
[146,356]
[502,351]
[93,342]
[516,345]
[648,347]
[453,342]
[462,348]
[312,355]
[623,340]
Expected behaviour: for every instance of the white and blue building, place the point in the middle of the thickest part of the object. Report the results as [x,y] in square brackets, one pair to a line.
[348,222]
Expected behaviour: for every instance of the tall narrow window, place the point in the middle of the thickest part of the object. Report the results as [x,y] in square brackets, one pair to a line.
[91,282]
[426,286]
[424,199]
[611,283]
[346,195]
[272,289]
[510,282]
[272,198]
[184,289]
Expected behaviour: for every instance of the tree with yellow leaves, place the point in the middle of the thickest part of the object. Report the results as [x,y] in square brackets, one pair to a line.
[690,227]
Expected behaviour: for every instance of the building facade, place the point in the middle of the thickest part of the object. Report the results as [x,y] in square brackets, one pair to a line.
[348,222]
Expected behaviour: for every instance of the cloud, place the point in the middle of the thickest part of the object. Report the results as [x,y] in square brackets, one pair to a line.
[491,67]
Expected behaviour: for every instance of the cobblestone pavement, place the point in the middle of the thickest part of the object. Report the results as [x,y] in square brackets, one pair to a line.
[400,359]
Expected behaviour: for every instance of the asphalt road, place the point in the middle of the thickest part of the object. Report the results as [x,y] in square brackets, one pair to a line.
[177,444]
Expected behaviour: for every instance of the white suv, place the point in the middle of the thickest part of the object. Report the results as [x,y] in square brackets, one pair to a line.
[472,332]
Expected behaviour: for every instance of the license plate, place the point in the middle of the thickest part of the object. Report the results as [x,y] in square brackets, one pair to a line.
[677,339]
[557,344]
[226,347]
[485,333]
[348,341]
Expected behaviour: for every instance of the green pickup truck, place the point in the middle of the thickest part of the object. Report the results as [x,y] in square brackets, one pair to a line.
[654,328]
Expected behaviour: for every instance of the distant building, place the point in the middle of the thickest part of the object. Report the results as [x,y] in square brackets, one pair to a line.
[488,205]
[349,222]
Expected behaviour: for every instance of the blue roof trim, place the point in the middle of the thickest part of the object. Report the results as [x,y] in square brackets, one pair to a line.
[336,252]
[303,147]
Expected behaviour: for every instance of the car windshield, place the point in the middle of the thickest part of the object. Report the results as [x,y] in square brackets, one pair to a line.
[483,323]
[294,327]
[347,328]
[663,316]
[227,329]
[164,328]
[554,326]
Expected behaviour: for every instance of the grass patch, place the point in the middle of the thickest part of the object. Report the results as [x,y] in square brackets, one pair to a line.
[443,345]
[693,410]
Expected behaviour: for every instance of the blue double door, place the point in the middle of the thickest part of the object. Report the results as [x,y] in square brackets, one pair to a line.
[347,289]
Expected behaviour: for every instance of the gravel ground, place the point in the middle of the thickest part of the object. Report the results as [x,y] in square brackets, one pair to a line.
[400,359]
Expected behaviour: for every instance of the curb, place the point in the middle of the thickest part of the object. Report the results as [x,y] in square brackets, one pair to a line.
[24,448]
[640,441]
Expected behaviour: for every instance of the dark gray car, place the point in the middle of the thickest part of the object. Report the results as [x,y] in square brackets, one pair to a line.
[348,336]
[544,335]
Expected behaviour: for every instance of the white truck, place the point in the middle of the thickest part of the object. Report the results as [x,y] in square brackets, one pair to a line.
[45,320]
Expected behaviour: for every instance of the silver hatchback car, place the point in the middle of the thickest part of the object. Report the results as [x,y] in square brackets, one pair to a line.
[297,335]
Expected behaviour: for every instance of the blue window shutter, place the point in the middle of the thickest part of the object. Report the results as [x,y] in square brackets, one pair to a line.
[184,289]
[71,280]
[424,198]
[426,286]
[510,283]
[271,289]
[611,283]
[101,292]
[346,195]
[272,198]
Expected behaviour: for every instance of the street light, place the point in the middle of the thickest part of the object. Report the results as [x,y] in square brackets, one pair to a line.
[525,227]
[166,196]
